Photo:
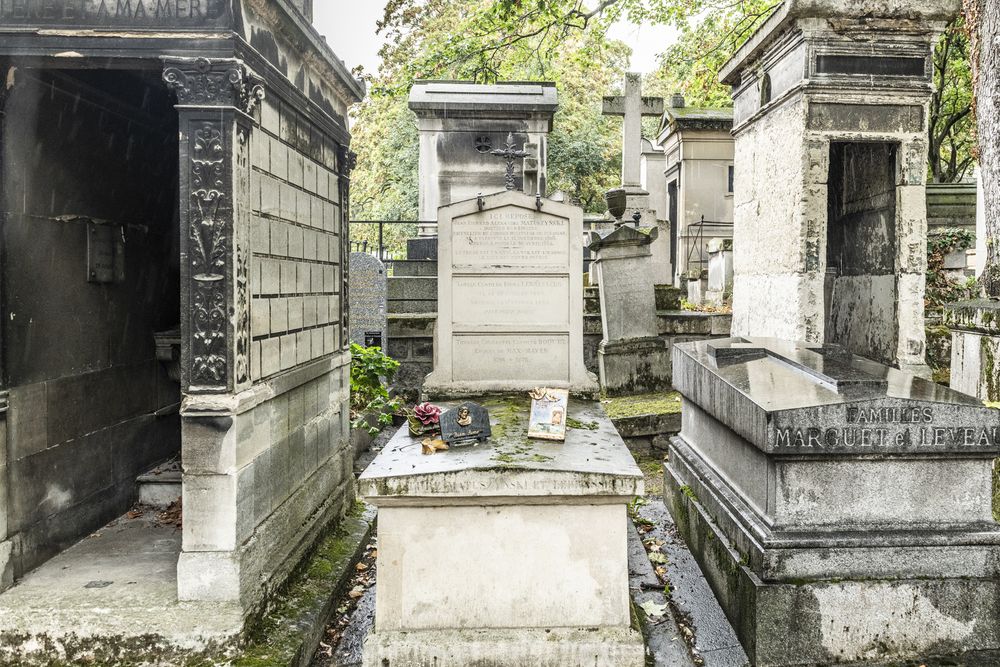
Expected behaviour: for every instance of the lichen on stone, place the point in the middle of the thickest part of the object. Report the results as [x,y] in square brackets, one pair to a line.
[658,403]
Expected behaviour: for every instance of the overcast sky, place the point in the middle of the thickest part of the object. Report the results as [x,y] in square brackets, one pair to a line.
[349,26]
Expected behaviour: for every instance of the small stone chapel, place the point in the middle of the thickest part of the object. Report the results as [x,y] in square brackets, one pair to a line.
[175,185]
[830,122]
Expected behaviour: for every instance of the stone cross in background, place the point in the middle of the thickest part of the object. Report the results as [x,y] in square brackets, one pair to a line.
[633,106]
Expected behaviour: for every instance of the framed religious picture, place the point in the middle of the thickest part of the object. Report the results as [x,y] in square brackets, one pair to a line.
[548,414]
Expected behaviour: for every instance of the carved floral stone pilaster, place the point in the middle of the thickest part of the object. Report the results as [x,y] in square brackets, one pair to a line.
[215,100]
[347,160]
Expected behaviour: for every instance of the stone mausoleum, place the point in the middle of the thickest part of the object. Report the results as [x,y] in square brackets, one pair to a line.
[460,122]
[830,120]
[173,172]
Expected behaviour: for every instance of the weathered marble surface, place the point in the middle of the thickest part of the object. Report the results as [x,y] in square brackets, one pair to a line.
[508,553]
[840,508]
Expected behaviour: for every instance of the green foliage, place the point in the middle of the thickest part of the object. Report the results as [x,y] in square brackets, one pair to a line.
[941,242]
[952,127]
[371,372]
[710,33]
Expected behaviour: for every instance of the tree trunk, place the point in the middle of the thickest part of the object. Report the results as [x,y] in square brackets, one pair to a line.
[984,27]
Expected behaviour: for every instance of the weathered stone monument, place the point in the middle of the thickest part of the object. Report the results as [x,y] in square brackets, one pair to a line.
[538,574]
[830,126]
[460,122]
[510,553]
[699,179]
[190,171]
[975,348]
[631,106]
[368,293]
[510,297]
[632,358]
[720,272]
[841,510]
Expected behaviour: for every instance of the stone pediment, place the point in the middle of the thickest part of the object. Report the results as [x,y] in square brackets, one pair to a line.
[813,400]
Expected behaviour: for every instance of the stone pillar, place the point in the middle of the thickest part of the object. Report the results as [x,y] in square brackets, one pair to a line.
[632,358]
[6,550]
[975,348]
[215,98]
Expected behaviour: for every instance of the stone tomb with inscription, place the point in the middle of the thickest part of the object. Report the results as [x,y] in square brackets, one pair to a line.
[830,122]
[508,553]
[368,293]
[510,297]
[842,510]
[632,358]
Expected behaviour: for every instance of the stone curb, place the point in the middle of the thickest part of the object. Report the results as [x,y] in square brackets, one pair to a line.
[294,630]
[664,645]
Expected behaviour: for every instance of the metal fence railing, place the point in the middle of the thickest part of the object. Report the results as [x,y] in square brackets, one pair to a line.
[385,239]
[694,241]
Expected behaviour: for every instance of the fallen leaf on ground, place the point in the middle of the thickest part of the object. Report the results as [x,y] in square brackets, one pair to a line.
[657,558]
[360,567]
[654,610]
[357,592]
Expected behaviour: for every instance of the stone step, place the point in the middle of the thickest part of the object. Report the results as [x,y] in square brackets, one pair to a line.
[689,323]
[409,288]
[161,486]
[412,294]
[412,307]
[402,268]
[412,325]
[668,297]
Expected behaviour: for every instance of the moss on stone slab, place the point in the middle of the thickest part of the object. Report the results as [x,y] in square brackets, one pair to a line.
[658,403]
[282,636]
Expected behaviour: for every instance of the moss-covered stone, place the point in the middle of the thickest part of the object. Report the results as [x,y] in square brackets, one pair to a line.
[659,403]
[289,633]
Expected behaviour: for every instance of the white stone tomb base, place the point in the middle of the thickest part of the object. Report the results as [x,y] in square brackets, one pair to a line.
[506,554]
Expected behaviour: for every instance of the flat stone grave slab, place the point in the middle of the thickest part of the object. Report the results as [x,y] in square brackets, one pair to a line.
[842,510]
[511,553]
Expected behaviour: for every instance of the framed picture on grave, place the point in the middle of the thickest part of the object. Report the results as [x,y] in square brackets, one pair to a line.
[548,414]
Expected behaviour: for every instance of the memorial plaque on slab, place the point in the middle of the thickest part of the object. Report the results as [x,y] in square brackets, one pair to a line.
[369,284]
[548,414]
[468,424]
[510,297]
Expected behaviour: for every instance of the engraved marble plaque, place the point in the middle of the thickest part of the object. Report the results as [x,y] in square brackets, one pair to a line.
[502,301]
[511,237]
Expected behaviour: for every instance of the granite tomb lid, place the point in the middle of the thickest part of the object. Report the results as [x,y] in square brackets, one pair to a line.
[593,461]
[789,397]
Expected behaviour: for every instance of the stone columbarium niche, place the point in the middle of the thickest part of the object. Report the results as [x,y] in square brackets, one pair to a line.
[831,143]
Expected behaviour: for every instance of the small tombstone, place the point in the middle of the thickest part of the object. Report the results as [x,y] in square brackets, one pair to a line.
[468,424]
[369,322]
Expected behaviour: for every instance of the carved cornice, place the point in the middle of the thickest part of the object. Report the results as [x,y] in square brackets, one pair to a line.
[212,83]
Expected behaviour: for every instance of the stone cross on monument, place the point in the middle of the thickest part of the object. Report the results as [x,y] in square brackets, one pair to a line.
[633,106]
[511,154]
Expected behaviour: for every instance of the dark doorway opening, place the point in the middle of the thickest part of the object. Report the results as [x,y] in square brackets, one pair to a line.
[90,273]
[861,283]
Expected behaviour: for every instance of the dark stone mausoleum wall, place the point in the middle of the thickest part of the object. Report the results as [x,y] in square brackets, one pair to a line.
[78,356]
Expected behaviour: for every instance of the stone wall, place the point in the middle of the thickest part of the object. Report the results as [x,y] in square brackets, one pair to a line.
[261,481]
[771,296]
[89,402]
[296,272]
